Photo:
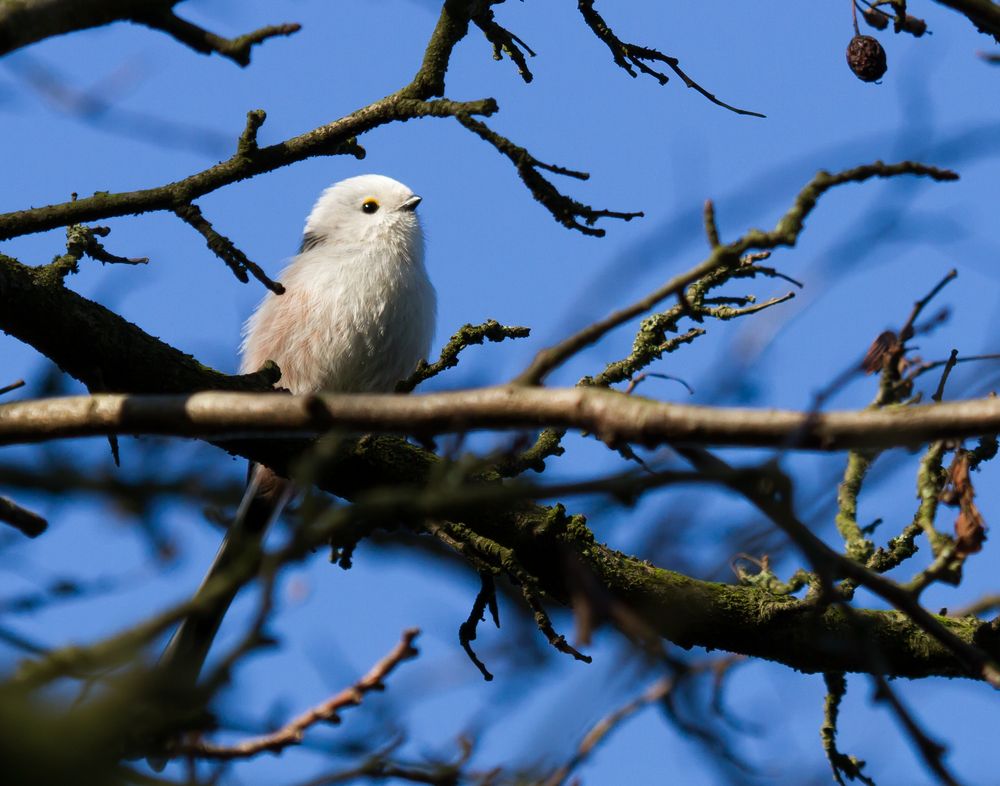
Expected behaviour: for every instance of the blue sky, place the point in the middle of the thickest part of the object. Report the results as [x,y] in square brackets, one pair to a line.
[868,252]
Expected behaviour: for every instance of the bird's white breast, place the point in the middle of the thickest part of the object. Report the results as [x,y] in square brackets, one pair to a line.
[351,319]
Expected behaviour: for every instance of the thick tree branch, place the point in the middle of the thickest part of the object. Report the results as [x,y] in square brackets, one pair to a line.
[612,416]
[24,22]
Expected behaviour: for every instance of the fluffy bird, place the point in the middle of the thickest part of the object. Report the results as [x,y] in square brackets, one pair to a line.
[357,314]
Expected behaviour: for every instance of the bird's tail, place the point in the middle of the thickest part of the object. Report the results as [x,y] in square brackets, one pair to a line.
[265,497]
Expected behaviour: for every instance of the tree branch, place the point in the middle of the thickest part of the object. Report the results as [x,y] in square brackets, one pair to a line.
[785,233]
[566,210]
[336,138]
[90,342]
[26,521]
[630,57]
[612,416]
[24,22]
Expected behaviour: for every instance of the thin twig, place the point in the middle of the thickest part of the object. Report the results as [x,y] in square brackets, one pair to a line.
[986,604]
[840,763]
[948,366]
[785,233]
[566,210]
[631,57]
[930,751]
[465,337]
[907,331]
[12,386]
[485,598]
[711,228]
[27,522]
[206,42]
[223,247]
[293,731]
[600,731]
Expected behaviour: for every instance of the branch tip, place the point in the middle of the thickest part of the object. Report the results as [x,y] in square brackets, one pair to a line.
[247,145]
[206,42]
[630,57]
[224,248]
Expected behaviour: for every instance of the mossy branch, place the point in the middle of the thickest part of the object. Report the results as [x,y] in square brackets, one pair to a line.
[87,340]
[466,336]
[785,233]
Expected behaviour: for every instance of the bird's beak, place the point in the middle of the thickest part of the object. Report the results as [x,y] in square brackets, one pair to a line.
[411,203]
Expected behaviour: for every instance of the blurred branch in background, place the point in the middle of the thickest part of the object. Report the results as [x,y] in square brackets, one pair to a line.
[99,105]
[984,14]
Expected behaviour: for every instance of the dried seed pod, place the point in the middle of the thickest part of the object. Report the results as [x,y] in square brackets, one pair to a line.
[866,57]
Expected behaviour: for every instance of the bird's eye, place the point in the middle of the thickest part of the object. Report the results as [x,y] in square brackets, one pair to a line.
[369,206]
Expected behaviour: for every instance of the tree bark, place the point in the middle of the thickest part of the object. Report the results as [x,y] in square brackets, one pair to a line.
[106,352]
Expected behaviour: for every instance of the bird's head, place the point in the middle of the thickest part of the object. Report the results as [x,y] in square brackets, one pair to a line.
[367,210]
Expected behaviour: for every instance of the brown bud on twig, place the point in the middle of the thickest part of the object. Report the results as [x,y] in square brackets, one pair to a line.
[866,57]
[912,25]
[875,18]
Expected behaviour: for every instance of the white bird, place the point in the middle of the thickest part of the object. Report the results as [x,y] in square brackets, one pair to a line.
[356,316]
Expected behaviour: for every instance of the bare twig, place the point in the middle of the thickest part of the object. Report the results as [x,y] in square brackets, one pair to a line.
[948,366]
[96,105]
[985,605]
[606,725]
[922,368]
[566,210]
[907,331]
[12,387]
[711,228]
[222,246]
[206,42]
[22,519]
[293,731]
[930,751]
[504,41]
[638,380]
[631,57]
[486,598]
